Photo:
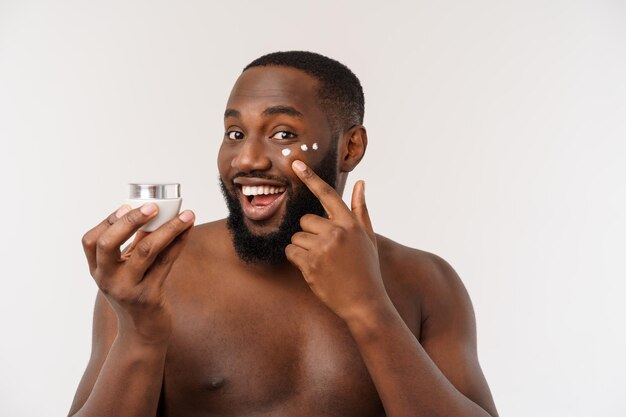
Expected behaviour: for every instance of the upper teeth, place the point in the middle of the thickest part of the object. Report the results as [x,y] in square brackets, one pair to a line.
[261,189]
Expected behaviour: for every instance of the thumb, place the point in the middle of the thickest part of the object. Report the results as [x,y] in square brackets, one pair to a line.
[359,208]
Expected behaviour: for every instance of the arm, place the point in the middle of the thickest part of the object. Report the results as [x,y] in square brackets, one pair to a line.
[338,258]
[441,375]
[123,376]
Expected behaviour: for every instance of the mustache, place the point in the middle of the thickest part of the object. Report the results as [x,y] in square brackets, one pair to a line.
[261,175]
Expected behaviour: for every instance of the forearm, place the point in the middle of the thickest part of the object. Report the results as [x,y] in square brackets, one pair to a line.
[408,382]
[129,383]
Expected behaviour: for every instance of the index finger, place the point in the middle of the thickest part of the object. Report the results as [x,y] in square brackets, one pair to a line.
[332,202]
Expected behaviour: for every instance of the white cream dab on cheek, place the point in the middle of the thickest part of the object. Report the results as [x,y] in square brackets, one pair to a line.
[286,152]
[314,146]
[304,147]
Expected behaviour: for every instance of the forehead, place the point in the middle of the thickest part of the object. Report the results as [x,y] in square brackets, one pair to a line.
[262,87]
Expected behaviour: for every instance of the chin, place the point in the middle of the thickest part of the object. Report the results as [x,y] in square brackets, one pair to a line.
[262,227]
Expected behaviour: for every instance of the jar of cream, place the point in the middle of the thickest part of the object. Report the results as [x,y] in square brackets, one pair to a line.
[165,195]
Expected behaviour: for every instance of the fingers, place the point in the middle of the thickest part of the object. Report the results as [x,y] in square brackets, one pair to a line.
[332,202]
[304,240]
[314,224]
[359,208]
[129,249]
[108,243]
[147,249]
[90,238]
[297,256]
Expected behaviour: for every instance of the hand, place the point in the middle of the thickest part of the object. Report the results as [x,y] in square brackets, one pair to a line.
[338,256]
[132,282]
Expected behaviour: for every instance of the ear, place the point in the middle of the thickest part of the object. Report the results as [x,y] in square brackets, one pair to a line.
[352,148]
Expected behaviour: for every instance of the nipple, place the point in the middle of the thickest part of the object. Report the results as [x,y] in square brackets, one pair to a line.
[215,382]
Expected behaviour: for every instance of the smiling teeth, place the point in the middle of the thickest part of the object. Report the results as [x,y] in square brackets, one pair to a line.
[261,189]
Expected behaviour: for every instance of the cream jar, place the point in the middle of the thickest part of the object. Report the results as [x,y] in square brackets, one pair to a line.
[166,196]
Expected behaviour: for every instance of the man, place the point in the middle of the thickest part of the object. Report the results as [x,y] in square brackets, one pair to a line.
[292,306]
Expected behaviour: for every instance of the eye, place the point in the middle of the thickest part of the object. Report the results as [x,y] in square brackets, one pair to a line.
[284,134]
[234,135]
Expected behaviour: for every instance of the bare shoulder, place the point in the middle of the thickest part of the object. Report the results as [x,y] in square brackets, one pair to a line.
[417,267]
[430,279]
[206,248]
[207,238]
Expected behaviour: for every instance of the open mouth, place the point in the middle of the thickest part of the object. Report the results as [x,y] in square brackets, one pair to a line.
[262,201]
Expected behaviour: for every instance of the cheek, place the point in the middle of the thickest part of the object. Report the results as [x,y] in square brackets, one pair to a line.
[310,153]
[225,157]
[304,152]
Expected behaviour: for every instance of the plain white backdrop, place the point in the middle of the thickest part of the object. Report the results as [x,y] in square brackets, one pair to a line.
[497,141]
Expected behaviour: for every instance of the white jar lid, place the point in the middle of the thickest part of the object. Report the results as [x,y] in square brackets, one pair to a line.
[148,191]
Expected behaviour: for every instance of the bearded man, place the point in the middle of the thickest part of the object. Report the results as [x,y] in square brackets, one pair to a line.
[292,306]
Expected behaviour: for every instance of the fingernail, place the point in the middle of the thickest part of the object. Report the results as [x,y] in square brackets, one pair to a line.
[148,208]
[122,210]
[299,165]
[186,216]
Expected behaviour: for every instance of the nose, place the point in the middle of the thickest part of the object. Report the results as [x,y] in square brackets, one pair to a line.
[252,156]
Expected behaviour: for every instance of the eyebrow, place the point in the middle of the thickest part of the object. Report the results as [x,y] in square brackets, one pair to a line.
[287,110]
[231,113]
[270,111]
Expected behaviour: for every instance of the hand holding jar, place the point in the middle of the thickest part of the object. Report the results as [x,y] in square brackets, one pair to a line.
[132,281]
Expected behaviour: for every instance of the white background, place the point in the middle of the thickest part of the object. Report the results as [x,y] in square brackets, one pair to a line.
[497,140]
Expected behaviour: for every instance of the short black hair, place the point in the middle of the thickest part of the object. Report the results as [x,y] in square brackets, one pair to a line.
[340,91]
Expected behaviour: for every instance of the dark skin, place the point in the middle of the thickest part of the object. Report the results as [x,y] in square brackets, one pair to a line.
[353,324]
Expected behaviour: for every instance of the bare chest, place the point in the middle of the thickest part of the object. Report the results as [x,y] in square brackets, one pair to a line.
[253,347]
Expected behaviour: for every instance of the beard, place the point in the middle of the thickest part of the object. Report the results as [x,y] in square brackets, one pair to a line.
[269,248]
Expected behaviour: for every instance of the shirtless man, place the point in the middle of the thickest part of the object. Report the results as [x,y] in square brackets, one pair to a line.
[292,306]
